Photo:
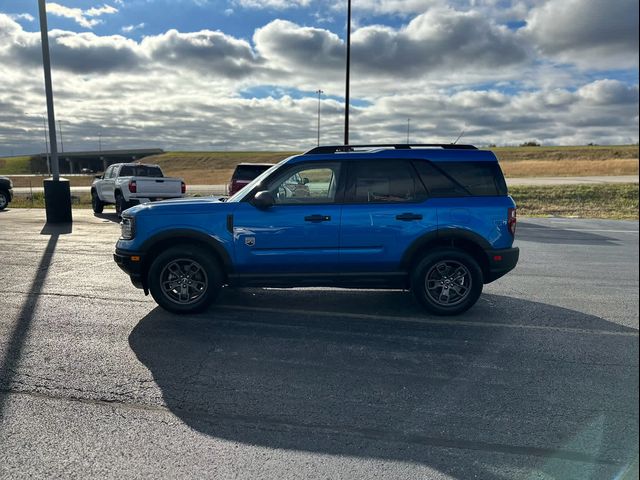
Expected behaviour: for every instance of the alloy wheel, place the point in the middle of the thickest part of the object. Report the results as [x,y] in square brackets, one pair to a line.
[183,281]
[448,283]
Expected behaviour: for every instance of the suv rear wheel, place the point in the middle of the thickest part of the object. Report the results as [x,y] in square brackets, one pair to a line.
[121,203]
[447,281]
[4,200]
[185,279]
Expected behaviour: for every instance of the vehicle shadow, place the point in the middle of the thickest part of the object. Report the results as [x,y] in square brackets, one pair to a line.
[111,216]
[545,234]
[513,389]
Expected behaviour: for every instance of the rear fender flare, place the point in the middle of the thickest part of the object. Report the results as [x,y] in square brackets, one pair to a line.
[446,237]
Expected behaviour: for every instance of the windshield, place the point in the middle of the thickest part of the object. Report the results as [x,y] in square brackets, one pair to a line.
[249,186]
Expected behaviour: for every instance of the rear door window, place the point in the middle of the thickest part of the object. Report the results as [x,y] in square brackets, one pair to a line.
[460,179]
[384,181]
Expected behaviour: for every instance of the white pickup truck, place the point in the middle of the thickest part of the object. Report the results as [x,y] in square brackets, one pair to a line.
[128,184]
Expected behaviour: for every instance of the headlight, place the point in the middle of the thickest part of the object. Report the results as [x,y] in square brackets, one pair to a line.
[127,230]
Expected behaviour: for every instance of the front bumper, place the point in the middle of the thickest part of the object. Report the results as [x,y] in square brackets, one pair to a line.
[501,262]
[131,264]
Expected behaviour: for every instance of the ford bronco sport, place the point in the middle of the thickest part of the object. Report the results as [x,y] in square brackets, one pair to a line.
[435,219]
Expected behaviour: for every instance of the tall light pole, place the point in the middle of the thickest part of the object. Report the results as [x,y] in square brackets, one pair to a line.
[346,96]
[100,142]
[408,129]
[46,144]
[61,142]
[57,194]
[319,92]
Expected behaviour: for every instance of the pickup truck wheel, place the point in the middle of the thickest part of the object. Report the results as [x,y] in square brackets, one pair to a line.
[447,281]
[185,279]
[96,203]
[121,203]
[4,200]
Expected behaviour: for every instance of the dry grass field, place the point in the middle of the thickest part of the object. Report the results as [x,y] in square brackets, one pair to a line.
[217,167]
[568,161]
[614,201]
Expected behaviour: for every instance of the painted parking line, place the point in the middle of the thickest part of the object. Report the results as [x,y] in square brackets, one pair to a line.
[450,323]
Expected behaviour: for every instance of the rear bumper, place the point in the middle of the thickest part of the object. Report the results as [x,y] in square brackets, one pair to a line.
[501,262]
[131,264]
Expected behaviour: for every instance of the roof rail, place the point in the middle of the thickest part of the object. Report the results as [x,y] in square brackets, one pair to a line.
[397,146]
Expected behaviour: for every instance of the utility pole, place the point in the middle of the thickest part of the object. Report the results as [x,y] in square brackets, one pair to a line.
[319,92]
[60,129]
[408,129]
[346,97]
[46,144]
[57,193]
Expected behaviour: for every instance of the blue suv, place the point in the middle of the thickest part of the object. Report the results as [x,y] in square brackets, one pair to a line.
[434,218]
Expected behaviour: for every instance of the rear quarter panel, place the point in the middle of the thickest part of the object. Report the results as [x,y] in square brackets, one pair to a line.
[486,216]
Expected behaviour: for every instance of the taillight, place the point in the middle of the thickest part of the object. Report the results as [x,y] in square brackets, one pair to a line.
[511,220]
[133,187]
[183,188]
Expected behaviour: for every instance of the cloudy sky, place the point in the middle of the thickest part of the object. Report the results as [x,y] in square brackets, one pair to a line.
[242,74]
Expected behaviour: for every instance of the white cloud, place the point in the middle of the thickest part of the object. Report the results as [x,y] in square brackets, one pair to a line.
[131,28]
[592,34]
[22,16]
[274,4]
[186,90]
[84,18]
[97,11]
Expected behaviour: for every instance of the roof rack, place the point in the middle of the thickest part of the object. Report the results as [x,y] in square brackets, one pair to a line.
[397,146]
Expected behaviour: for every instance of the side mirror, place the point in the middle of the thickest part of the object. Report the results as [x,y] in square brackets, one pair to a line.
[99,177]
[263,200]
[305,180]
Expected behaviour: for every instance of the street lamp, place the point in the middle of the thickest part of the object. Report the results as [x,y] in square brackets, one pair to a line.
[319,92]
[57,193]
[346,96]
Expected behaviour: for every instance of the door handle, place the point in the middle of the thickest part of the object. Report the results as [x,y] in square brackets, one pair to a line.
[317,218]
[407,217]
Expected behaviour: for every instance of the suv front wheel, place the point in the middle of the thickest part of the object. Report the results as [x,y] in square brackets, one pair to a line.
[184,279]
[447,281]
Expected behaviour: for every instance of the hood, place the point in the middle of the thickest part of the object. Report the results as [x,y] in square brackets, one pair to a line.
[179,206]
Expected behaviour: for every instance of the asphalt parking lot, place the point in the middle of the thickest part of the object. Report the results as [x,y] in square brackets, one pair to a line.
[539,380]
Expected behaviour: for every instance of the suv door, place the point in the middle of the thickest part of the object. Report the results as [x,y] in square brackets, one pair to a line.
[300,233]
[386,209]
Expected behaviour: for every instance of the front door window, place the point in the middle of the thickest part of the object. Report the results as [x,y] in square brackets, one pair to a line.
[306,185]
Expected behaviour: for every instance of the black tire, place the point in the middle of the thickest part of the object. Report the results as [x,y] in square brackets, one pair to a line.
[447,281]
[96,203]
[4,199]
[171,268]
[121,204]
